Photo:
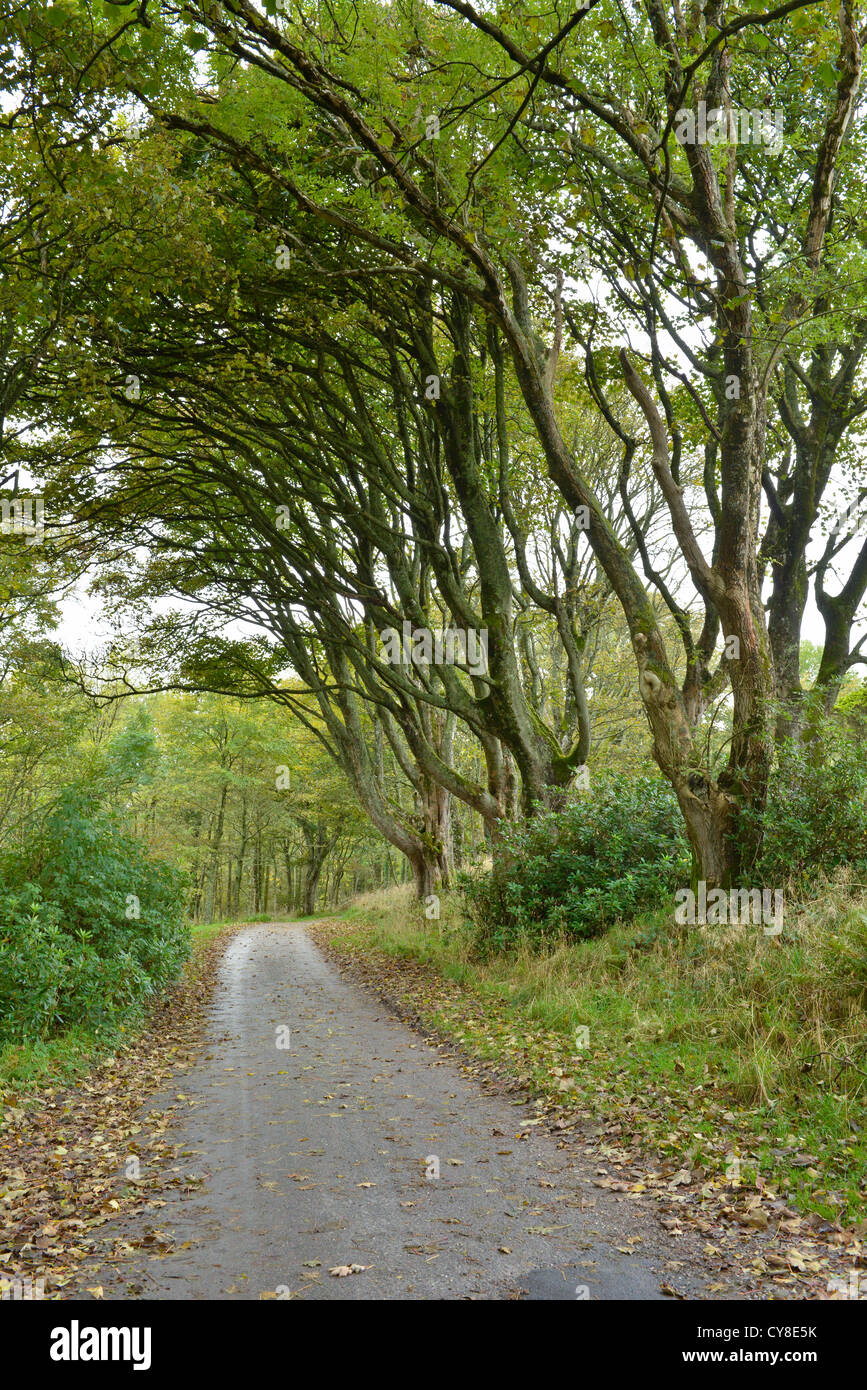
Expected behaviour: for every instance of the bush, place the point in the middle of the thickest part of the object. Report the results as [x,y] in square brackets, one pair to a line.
[608,856]
[816,812]
[69,954]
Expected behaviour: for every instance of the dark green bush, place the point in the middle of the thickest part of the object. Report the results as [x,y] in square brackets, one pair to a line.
[72,950]
[816,812]
[608,856]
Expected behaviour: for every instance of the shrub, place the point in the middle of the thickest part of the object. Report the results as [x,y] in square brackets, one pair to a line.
[572,873]
[69,954]
[815,817]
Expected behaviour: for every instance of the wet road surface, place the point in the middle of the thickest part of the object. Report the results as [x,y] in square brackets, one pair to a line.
[326,1133]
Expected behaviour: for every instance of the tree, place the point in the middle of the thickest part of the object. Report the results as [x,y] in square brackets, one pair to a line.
[365,152]
[661,203]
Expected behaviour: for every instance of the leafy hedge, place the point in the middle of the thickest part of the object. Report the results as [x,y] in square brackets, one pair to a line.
[816,812]
[69,954]
[608,856]
[622,850]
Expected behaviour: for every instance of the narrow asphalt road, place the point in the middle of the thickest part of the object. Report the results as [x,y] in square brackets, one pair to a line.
[325,1153]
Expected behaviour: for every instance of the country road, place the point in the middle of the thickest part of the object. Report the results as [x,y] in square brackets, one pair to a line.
[317,1155]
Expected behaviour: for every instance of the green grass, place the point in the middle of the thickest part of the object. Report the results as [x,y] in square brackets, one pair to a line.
[203,932]
[704,1041]
[269,917]
[56,1061]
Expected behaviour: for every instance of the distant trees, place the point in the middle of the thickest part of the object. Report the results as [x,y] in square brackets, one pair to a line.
[237,797]
[253,808]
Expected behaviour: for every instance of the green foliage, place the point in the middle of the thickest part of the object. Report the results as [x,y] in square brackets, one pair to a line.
[853,700]
[69,953]
[816,812]
[844,952]
[573,873]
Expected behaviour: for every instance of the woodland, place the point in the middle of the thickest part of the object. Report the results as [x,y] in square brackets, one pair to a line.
[448,419]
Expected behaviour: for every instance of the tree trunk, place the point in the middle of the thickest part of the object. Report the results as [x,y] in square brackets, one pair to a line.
[216,841]
[311,887]
[242,854]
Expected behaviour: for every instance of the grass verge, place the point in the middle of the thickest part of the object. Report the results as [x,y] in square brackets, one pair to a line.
[740,1055]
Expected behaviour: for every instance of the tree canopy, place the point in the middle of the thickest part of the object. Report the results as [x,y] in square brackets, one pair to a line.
[545,326]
